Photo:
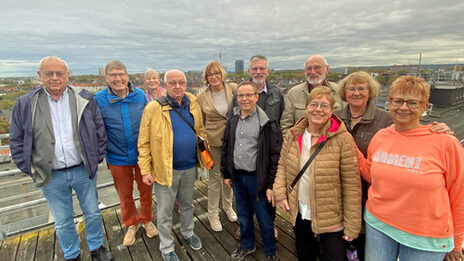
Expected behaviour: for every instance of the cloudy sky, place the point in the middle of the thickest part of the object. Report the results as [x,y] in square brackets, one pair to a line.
[188,34]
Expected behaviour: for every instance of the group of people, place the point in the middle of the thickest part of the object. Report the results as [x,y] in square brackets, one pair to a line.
[346,171]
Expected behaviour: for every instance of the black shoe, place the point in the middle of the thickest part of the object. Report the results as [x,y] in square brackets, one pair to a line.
[78,258]
[102,254]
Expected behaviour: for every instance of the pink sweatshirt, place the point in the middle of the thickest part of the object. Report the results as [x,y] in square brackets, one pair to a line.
[417,182]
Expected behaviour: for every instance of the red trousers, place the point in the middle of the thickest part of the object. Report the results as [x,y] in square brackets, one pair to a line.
[123,177]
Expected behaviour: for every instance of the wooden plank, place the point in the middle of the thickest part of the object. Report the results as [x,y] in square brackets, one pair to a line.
[200,193]
[115,235]
[80,229]
[59,254]
[45,242]
[152,244]
[286,244]
[138,251]
[27,246]
[196,255]
[9,248]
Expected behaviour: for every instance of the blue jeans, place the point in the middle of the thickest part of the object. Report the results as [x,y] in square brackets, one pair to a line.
[58,192]
[246,199]
[381,247]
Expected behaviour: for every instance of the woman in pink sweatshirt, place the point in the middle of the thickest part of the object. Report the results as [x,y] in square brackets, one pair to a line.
[415,206]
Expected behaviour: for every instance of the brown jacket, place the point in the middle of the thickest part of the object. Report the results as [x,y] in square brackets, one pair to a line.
[335,190]
[372,121]
[214,122]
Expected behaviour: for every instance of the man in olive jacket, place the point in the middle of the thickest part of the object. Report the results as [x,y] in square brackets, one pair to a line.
[316,70]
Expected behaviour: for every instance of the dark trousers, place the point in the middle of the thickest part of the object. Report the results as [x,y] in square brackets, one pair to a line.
[327,246]
[247,203]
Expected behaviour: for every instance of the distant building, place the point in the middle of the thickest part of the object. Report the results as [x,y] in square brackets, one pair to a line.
[239,65]
[446,93]
[101,71]
[410,68]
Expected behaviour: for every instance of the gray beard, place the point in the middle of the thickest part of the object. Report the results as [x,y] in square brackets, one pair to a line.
[316,83]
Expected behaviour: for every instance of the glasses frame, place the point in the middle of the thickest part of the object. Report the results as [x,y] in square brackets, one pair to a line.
[408,103]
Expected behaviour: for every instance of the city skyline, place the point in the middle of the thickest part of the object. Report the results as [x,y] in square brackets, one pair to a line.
[188,34]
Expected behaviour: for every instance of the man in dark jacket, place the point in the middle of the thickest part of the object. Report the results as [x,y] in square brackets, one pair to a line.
[270,98]
[57,137]
[250,154]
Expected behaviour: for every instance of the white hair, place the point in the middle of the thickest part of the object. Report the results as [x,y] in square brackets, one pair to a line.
[174,70]
[53,58]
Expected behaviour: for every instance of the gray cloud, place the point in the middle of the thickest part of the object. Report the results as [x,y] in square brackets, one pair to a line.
[188,34]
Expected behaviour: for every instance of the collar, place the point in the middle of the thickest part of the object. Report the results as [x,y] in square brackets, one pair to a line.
[129,86]
[65,92]
[252,114]
[264,89]
[185,101]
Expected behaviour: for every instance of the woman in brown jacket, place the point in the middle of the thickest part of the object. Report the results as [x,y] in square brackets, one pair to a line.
[215,101]
[326,201]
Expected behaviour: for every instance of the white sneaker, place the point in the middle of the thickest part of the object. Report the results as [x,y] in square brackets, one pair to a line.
[215,223]
[231,215]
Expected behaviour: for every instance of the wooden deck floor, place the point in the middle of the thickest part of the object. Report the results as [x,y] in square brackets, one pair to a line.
[42,244]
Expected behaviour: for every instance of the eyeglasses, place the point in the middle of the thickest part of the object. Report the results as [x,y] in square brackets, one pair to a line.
[115,75]
[59,74]
[412,104]
[359,89]
[247,95]
[315,67]
[213,74]
[324,106]
[174,83]
[255,69]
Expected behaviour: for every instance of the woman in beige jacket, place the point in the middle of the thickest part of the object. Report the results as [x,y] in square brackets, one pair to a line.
[215,101]
[326,201]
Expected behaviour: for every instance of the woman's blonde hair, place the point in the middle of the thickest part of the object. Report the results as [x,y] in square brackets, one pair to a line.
[410,85]
[359,77]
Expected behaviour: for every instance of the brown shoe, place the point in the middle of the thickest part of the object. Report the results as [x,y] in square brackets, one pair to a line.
[151,229]
[129,238]
[237,234]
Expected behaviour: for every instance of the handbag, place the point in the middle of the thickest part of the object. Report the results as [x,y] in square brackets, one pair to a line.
[306,165]
[208,161]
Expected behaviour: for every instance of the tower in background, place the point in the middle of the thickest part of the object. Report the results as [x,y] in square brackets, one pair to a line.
[239,66]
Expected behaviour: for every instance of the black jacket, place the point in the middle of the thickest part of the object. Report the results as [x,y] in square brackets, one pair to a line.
[272,102]
[269,145]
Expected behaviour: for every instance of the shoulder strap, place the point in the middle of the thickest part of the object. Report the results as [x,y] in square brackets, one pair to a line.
[164,102]
[306,165]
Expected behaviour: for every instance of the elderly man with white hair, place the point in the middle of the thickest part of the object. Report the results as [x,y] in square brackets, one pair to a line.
[168,157]
[316,69]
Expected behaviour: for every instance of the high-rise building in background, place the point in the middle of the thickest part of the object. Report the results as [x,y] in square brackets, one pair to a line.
[239,66]
[101,71]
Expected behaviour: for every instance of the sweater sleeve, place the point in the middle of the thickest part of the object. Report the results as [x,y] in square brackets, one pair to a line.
[454,178]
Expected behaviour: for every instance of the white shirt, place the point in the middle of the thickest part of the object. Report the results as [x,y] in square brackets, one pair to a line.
[65,154]
[304,206]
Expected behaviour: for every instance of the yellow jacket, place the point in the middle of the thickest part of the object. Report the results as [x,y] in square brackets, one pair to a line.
[156,139]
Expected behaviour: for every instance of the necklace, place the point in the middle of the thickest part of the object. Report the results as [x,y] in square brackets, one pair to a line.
[357,117]
[354,117]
